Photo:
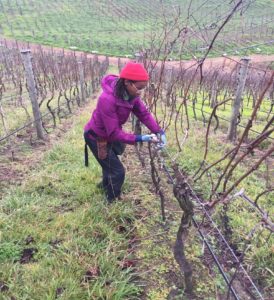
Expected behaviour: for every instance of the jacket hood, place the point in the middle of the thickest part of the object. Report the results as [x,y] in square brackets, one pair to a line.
[108,83]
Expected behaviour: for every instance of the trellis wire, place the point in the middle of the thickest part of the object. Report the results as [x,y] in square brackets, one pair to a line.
[217,229]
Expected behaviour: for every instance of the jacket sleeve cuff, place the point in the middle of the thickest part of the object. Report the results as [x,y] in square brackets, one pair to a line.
[161,131]
[138,138]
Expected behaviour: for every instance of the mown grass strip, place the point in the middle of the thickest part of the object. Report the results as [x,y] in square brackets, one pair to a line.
[58,237]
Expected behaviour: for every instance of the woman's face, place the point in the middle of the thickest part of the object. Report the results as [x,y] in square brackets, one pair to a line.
[135,88]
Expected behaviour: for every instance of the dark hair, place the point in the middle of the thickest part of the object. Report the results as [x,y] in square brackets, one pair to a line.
[120,89]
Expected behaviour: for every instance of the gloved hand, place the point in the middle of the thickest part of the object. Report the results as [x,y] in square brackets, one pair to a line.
[162,139]
[146,138]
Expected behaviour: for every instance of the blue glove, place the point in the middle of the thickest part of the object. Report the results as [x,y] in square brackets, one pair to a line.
[144,138]
[162,137]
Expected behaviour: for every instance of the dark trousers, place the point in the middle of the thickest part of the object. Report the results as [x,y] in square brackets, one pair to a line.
[112,169]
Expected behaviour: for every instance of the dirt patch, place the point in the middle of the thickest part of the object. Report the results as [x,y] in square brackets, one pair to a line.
[55,243]
[8,176]
[3,287]
[59,292]
[91,274]
[63,208]
[26,153]
[29,240]
[27,255]
[228,63]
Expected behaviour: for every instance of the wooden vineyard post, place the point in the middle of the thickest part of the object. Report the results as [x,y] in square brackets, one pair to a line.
[232,131]
[26,57]
[82,81]
[136,123]
[3,119]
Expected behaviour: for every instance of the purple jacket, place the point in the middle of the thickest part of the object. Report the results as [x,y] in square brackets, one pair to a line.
[111,113]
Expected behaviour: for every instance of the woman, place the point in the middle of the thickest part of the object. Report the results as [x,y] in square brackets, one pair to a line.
[103,133]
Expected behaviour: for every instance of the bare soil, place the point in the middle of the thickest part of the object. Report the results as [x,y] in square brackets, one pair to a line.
[16,163]
[228,63]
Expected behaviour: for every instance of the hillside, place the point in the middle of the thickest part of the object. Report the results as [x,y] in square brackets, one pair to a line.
[195,220]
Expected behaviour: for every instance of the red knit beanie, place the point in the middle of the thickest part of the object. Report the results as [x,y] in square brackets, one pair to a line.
[134,71]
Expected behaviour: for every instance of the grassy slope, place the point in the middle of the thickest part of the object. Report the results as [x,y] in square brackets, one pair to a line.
[115,28]
[59,212]
[82,247]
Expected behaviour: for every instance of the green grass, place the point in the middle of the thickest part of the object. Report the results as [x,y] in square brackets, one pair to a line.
[120,27]
[16,116]
[60,214]
[224,114]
